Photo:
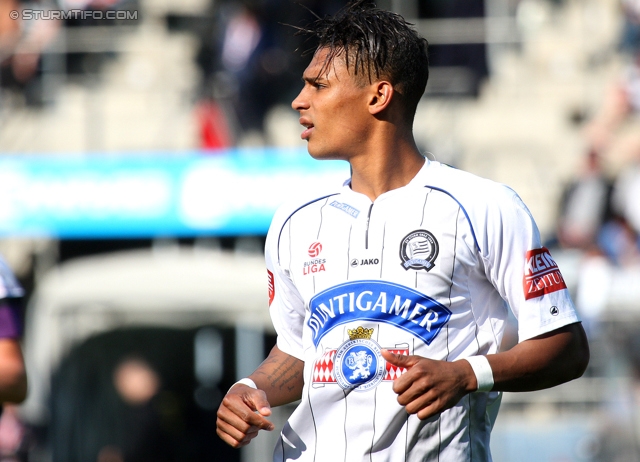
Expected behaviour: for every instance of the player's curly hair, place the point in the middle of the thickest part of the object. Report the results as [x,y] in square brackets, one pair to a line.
[377,44]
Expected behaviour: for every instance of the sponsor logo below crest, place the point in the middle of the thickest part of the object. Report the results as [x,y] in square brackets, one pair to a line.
[419,250]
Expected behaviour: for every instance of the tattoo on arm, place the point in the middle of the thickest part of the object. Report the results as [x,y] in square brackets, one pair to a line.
[286,374]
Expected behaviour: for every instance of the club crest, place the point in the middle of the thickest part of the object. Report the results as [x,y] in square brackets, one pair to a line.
[418,250]
[358,363]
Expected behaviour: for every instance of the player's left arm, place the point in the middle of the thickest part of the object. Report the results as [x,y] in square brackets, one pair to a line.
[429,387]
[13,377]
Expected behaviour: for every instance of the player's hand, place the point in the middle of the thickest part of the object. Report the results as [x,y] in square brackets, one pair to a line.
[429,387]
[241,415]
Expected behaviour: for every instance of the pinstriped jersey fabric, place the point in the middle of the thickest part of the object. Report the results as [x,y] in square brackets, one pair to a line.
[429,269]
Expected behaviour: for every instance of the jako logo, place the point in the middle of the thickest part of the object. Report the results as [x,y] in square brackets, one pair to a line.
[315,249]
[367,261]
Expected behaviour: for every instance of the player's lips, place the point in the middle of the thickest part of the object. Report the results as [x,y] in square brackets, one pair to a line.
[308,126]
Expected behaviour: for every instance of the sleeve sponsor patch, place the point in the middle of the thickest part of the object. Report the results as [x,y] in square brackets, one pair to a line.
[541,274]
[272,286]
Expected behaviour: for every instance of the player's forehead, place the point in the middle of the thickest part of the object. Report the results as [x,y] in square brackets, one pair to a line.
[326,64]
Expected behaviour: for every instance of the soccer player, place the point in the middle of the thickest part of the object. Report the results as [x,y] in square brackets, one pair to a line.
[13,377]
[390,293]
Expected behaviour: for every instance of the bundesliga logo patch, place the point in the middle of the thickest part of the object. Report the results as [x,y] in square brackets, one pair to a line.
[315,249]
[541,274]
[316,265]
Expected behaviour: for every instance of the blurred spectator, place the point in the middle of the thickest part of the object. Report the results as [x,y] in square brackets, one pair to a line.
[626,196]
[465,64]
[9,28]
[619,242]
[584,206]
[22,43]
[128,396]
[600,218]
[213,126]
[88,61]
[630,40]
[621,101]
[608,235]
[619,238]
[135,381]
[247,65]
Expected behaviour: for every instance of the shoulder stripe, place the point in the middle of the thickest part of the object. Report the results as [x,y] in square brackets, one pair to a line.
[473,233]
[296,211]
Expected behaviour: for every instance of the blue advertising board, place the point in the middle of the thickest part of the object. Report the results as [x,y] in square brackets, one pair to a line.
[233,192]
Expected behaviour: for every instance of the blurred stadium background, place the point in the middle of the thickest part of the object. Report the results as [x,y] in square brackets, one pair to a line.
[146,143]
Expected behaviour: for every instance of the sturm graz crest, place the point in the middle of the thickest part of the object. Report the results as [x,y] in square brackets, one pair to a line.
[418,250]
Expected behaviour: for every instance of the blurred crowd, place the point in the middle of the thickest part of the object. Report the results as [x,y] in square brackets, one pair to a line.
[599,211]
[248,54]
[243,50]
[30,35]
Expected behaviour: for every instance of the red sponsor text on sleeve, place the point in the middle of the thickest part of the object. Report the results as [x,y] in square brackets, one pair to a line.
[541,274]
[272,286]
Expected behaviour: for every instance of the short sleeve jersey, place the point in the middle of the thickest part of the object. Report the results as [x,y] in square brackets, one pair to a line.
[429,269]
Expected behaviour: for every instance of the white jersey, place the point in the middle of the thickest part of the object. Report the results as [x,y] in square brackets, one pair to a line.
[426,269]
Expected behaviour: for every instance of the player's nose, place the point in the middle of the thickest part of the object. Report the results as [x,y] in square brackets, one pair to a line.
[300,102]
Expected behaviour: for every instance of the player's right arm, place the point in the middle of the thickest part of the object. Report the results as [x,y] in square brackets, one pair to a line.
[244,410]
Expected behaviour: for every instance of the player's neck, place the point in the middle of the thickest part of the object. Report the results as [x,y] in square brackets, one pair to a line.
[389,166]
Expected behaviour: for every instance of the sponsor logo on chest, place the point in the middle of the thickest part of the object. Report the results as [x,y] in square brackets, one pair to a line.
[346,208]
[377,301]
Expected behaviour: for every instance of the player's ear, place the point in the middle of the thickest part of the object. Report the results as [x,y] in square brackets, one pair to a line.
[381,95]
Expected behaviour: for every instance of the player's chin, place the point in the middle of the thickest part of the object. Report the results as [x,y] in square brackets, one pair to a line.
[322,154]
[314,151]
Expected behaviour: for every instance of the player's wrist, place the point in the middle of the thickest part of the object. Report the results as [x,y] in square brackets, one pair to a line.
[482,372]
[467,377]
[246,381]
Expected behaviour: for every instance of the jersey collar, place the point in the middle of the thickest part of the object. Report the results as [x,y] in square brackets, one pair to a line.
[418,181]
